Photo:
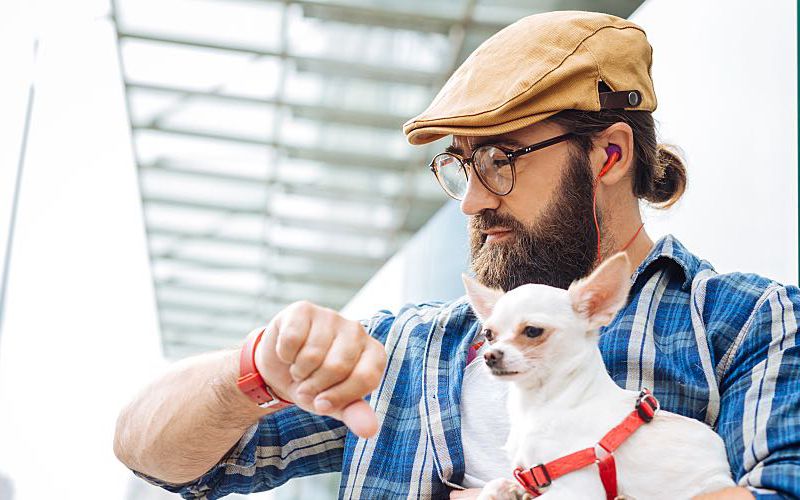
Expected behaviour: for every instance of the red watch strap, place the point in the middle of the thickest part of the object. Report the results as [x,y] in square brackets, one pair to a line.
[250,381]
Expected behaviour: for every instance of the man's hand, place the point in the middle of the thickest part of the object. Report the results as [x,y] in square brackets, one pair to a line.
[323,362]
[724,494]
[468,494]
[733,493]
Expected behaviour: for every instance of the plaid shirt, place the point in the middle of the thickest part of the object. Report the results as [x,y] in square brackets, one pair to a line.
[718,348]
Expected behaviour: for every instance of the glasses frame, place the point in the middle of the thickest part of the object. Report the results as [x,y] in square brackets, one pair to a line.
[510,154]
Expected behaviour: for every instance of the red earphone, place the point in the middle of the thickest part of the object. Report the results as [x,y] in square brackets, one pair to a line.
[614,154]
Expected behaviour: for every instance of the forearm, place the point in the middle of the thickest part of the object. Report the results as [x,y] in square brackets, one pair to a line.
[733,493]
[179,426]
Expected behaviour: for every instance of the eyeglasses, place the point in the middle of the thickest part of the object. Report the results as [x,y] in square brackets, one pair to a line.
[495,167]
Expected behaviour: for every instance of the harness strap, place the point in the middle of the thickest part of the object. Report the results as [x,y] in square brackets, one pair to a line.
[608,475]
[646,406]
[541,476]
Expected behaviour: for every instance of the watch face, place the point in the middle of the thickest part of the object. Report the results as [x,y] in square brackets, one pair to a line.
[273,402]
[268,404]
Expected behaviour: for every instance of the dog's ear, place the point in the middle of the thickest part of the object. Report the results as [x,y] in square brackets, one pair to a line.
[481,298]
[599,296]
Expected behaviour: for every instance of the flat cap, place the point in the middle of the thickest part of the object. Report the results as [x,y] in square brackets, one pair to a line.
[536,67]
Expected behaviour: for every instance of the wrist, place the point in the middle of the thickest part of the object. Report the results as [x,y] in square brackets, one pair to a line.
[268,373]
[251,381]
[226,390]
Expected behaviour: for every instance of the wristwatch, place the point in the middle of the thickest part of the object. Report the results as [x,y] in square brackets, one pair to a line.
[250,381]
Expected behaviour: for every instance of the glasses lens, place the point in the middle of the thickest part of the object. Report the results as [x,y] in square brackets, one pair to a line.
[495,169]
[451,175]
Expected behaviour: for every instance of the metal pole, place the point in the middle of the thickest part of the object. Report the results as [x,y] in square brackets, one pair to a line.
[15,202]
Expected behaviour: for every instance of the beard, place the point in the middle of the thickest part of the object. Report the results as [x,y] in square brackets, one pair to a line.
[560,248]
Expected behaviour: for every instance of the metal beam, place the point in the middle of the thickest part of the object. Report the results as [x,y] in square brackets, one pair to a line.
[349,159]
[317,112]
[12,220]
[348,282]
[242,323]
[331,258]
[373,15]
[331,300]
[190,307]
[383,73]
[209,331]
[321,225]
[329,156]
[176,349]
[195,340]
[299,188]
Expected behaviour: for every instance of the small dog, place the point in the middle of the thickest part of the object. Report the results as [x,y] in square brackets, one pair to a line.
[545,341]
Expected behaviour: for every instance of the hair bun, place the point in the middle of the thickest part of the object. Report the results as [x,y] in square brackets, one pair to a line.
[669,179]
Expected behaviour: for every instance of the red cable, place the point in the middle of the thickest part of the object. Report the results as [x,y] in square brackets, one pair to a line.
[633,238]
[611,160]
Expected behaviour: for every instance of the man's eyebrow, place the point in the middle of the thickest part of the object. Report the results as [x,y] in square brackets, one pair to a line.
[499,141]
[494,141]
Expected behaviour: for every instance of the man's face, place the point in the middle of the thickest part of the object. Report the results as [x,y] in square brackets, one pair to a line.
[541,232]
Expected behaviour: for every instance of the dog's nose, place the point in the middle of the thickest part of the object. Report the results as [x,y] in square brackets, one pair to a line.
[493,357]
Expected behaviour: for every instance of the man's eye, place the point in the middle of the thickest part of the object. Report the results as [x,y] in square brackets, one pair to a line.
[488,334]
[532,331]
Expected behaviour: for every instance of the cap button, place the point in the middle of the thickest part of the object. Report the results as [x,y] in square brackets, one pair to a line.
[634,98]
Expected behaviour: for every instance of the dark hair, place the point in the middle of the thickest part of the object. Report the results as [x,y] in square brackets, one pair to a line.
[659,174]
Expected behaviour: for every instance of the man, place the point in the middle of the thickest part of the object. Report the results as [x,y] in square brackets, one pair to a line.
[553,147]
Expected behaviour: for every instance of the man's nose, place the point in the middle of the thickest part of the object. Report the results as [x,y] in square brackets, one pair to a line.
[477,197]
[493,357]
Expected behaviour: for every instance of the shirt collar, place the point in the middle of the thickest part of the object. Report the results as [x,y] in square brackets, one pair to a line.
[669,248]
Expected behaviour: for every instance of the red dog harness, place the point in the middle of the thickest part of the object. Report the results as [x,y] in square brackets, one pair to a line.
[541,476]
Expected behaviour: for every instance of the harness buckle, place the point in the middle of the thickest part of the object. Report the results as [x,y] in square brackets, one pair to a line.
[541,476]
[647,405]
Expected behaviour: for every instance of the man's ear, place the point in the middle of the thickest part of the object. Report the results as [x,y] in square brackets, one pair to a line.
[602,294]
[481,298]
[621,135]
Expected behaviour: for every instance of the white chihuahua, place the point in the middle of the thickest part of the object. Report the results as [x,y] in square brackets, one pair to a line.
[563,401]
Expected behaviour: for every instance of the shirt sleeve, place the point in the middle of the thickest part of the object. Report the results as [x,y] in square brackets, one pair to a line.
[285,444]
[759,416]
[282,445]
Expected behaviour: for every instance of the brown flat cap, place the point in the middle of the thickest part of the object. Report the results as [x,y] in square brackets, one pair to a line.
[538,66]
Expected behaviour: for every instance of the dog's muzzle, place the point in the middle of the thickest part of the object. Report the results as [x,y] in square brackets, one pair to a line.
[493,358]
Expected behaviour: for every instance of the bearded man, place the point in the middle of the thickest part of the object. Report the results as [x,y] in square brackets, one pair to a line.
[553,148]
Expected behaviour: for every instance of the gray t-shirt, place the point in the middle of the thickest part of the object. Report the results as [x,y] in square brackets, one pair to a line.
[484,425]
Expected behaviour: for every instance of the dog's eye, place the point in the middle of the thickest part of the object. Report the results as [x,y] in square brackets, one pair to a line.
[488,334]
[532,331]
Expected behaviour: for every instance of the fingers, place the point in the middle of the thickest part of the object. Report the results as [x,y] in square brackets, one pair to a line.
[326,362]
[364,378]
[292,327]
[339,363]
[465,494]
[360,418]
[314,350]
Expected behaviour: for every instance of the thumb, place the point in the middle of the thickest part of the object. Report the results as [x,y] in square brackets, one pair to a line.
[360,418]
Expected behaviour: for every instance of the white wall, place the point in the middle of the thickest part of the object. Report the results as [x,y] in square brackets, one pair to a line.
[427,268]
[80,333]
[725,74]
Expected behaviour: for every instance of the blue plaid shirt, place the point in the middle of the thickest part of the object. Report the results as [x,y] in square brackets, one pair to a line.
[720,348]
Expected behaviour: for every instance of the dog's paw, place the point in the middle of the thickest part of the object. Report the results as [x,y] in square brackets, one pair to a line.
[502,489]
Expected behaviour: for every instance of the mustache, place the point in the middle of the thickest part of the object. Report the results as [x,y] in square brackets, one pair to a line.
[489,218]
